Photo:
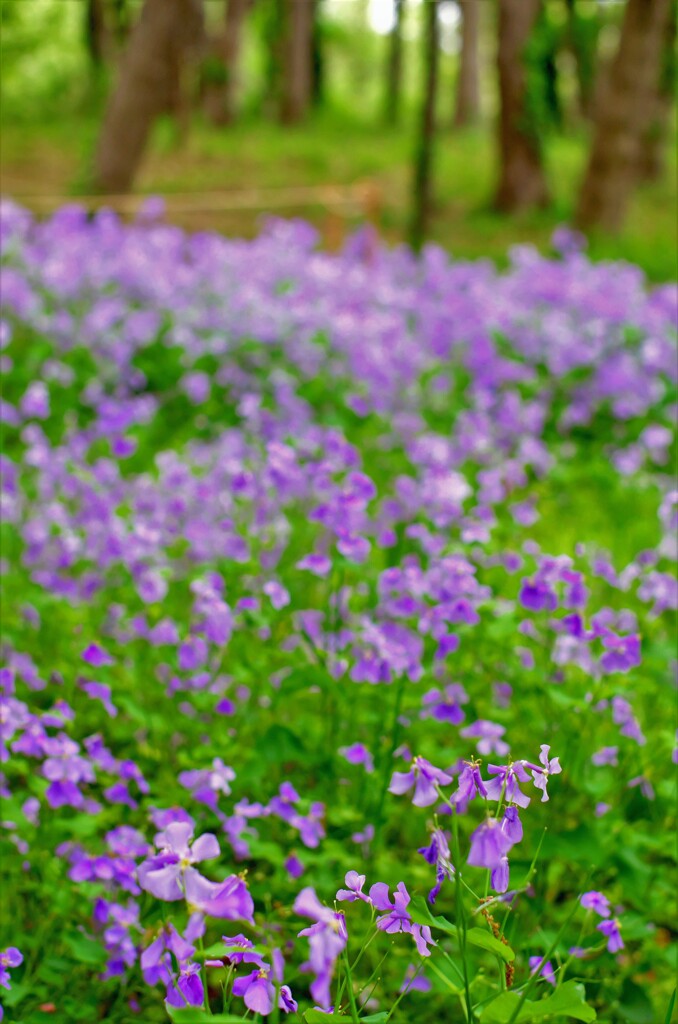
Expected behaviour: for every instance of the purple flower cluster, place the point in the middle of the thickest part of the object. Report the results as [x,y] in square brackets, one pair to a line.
[272,516]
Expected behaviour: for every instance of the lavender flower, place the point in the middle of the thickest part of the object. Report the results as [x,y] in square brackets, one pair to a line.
[611,929]
[597,902]
[170,875]
[425,779]
[546,970]
[327,939]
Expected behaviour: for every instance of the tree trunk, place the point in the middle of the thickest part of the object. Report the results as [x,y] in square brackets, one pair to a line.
[394,66]
[521,182]
[624,107]
[297,53]
[467,109]
[424,154]
[149,84]
[220,91]
[653,141]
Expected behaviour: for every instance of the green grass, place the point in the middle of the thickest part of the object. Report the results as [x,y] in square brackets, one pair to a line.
[336,149]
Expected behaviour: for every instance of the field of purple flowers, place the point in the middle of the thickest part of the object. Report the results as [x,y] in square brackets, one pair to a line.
[338,630]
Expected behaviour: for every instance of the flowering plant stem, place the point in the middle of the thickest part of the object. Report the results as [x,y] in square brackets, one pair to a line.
[349,986]
[532,981]
[461,917]
[386,766]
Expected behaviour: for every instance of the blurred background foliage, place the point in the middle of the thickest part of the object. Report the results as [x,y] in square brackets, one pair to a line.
[354,123]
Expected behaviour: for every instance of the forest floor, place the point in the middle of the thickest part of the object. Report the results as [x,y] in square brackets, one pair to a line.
[273,165]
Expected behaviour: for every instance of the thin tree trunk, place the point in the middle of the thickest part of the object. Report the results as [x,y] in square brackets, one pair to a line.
[423,163]
[394,65]
[624,107]
[149,84]
[521,180]
[653,142]
[297,76]
[220,97]
[467,109]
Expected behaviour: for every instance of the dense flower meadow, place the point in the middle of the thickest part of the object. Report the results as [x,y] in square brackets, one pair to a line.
[338,630]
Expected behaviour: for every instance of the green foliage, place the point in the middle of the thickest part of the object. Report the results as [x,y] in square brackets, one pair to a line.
[568,1001]
[44,63]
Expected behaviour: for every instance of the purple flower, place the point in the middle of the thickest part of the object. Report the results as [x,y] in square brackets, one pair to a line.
[488,735]
[606,755]
[489,845]
[444,705]
[438,853]
[511,825]
[424,777]
[622,714]
[505,784]
[358,754]
[469,784]
[396,918]
[96,656]
[597,902]
[645,786]
[206,784]
[622,653]
[99,691]
[354,888]
[549,767]
[229,900]
[9,957]
[546,970]
[319,565]
[155,962]
[192,654]
[277,594]
[258,989]
[241,950]
[537,596]
[414,981]
[448,643]
[294,867]
[170,875]
[327,939]
[186,988]
[612,931]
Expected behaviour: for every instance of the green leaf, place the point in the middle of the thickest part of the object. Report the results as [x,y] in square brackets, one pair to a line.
[85,950]
[638,1008]
[279,744]
[484,940]
[194,1015]
[317,1017]
[669,1012]
[567,1001]
[375,1018]
[420,914]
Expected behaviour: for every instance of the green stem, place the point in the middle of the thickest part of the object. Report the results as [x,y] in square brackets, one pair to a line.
[349,984]
[388,762]
[563,970]
[460,916]
[404,992]
[203,976]
[534,977]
